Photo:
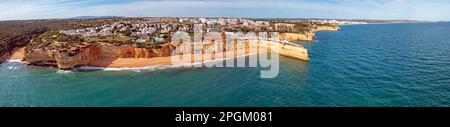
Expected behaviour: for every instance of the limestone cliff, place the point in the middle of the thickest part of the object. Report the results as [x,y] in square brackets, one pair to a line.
[62,58]
[41,57]
[66,60]
[289,50]
[309,35]
[82,55]
[131,51]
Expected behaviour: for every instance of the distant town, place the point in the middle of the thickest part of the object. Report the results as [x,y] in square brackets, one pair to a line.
[158,30]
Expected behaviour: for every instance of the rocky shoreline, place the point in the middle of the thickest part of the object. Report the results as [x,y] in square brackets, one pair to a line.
[87,53]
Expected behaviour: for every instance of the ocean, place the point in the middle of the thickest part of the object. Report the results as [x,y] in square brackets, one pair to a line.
[379,65]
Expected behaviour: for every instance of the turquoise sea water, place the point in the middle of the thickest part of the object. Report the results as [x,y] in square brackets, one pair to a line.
[362,65]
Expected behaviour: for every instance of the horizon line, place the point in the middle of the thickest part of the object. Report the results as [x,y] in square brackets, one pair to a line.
[106,16]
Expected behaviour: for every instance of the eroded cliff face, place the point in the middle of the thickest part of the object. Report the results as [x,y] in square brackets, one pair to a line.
[41,57]
[309,36]
[66,60]
[63,58]
[82,55]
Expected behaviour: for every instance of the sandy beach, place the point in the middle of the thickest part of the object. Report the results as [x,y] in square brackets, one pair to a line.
[156,61]
[113,62]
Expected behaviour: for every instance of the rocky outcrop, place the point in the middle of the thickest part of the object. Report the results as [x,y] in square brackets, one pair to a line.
[309,36]
[63,59]
[294,52]
[82,55]
[66,60]
[41,57]
[131,51]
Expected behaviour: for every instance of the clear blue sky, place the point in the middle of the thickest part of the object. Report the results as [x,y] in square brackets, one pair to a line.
[341,9]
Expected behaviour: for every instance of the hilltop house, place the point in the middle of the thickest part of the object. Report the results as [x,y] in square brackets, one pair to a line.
[213,30]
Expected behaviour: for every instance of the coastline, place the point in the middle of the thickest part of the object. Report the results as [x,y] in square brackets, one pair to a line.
[338,65]
[388,23]
[139,63]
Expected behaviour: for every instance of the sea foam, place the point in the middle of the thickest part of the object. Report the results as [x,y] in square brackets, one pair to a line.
[64,71]
[14,61]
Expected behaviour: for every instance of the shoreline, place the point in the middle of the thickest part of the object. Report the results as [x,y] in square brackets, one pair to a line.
[137,63]
[119,64]
[17,55]
[131,63]
[388,23]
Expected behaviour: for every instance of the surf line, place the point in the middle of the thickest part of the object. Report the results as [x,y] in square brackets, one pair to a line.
[186,117]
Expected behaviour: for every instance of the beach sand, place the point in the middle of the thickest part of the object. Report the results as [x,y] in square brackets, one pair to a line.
[156,61]
[17,54]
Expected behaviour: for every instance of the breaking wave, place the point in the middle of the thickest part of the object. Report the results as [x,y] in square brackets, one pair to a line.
[12,67]
[14,61]
[64,71]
